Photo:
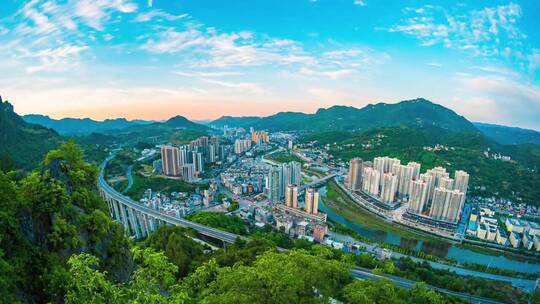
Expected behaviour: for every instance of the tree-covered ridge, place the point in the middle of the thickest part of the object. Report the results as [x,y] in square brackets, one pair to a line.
[46,217]
[517,180]
[414,113]
[509,135]
[22,144]
[81,126]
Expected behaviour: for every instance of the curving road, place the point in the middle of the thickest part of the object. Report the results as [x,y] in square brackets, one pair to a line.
[367,274]
[204,230]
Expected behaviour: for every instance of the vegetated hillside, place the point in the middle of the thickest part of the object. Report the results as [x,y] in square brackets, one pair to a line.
[509,135]
[178,130]
[22,143]
[49,215]
[517,180]
[417,112]
[81,126]
[244,121]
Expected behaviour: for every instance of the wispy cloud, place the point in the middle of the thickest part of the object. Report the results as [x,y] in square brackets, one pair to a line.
[491,31]
[49,32]
[207,74]
[211,48]
[158,14]
[244,87]
[511,101]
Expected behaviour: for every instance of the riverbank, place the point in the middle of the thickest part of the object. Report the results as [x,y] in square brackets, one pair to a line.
[341,203]
[345,211]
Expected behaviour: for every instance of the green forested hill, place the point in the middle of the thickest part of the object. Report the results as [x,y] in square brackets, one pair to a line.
[509,135]
[23,143]
[81,126]
[414,113]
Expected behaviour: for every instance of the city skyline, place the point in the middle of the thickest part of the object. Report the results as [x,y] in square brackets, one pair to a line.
[204,59]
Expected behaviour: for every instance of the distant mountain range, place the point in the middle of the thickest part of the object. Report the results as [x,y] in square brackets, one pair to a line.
[25,140]
[416,113]
[82,126]
[21,142]
[413,113]
[509,135]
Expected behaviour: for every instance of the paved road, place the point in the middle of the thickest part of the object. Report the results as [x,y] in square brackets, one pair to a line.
[129,178]
[204,230]
[367,274]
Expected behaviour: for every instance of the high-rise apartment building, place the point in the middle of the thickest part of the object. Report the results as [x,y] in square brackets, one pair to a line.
[170,161]
[438,203]
[385,164]
[188,172]
[260,137]
[291,196]
[371,181]
[446,205]
[446,183]
[242,145]
[389,187]
[418,196]
[461,183]
[415,168]
[312,201]
[273,184]
[198,161]
[452,208]
[405,174]
[355,174]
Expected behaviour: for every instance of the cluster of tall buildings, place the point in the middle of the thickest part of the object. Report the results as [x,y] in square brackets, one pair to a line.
[187,161]
[432,193]
[311,204]
[260,137]
[242,145]
[280,177]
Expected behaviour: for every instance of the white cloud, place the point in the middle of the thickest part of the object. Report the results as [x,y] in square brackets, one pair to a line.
[157,13]
[244,87]
[511,101]
[359,2]
[49,34]
[208,47]
[207,74]
[534,60]
[491,31]
[58,59]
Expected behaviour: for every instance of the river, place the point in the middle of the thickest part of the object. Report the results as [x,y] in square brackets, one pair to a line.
[442,249]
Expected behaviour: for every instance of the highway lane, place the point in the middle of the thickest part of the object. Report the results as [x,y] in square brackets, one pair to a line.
[367,274]
[211,232]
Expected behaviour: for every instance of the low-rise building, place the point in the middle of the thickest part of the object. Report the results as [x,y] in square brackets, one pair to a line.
[527,241]
[536,241]
[534,228]
[501,238]
[515,239]
[481,231]
[515,225]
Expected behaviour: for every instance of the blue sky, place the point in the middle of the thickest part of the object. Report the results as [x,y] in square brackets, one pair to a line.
[203,59]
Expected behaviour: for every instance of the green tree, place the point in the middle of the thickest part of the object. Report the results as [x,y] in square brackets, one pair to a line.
[88,285]
[360,292]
